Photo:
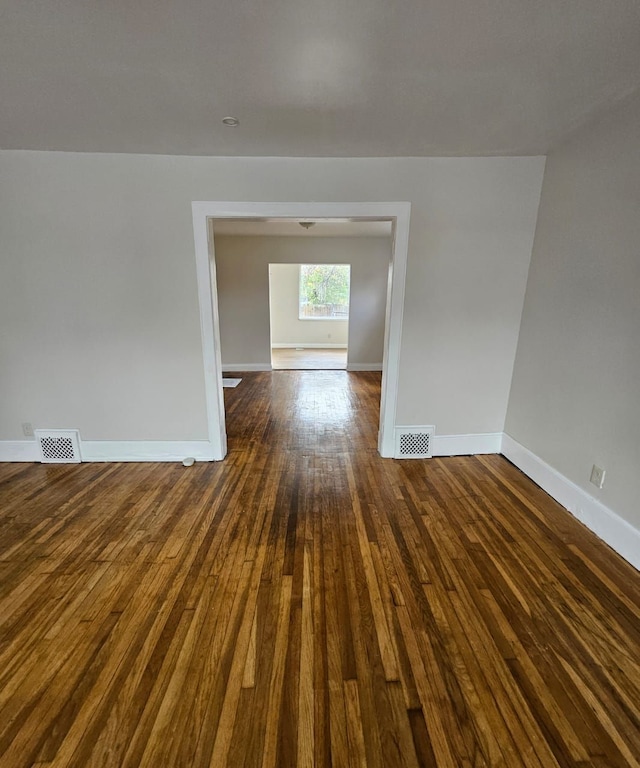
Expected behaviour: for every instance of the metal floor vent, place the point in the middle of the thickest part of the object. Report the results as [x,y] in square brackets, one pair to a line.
[414,442]
[58,446]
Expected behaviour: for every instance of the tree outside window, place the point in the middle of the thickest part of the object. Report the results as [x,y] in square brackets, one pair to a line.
[324,291]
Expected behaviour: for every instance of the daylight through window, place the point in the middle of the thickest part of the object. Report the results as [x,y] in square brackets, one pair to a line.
[324,291]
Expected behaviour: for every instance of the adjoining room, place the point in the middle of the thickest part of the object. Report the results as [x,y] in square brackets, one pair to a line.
[275,312]
[309,311]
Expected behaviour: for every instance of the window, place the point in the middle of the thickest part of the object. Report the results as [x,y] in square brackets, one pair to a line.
[324,291]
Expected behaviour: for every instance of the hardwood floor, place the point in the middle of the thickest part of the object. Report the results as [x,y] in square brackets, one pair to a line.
[307,603]
[308,359]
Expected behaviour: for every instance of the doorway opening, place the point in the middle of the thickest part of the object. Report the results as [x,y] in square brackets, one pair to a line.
[309,316]
[206,213]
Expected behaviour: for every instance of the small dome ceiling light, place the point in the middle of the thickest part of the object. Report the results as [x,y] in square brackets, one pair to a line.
[307,224]
[231,121]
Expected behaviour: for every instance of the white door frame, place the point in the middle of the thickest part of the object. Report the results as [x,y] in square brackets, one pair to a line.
[203,212]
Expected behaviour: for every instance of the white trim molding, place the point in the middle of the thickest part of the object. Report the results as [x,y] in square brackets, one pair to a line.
[19,450]
[364,366]
[172,450]
[241,367]
[604,522]
[467,445]
[146,450]
[205,212]
[306,345]
[116,450]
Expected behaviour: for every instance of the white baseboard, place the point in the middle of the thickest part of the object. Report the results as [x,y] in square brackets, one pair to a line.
[604,522]
[465,445]
[116,450]
[145,450]
[19,450]
[171,450]
[364,367]
[240,367]
[307,345]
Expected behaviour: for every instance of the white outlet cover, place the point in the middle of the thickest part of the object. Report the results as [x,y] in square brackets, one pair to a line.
[597,476]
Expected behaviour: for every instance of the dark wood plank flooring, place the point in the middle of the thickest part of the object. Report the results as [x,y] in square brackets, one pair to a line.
[307,603]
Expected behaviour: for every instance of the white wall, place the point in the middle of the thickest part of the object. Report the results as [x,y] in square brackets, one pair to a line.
[575,399]
[98,301]
[284,303]
[242,267]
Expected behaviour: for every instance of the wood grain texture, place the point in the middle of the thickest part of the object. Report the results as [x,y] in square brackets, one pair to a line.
[307,603]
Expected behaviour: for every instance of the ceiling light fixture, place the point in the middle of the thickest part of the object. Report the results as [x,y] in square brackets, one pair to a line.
[307,224]
[230,121]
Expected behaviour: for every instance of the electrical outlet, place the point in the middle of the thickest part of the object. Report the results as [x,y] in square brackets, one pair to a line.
[597,476]
[27,429]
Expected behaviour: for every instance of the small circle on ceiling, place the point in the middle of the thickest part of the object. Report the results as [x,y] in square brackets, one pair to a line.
[230,121]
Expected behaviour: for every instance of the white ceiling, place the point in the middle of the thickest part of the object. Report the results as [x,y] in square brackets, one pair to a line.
[309,78]
[292,228]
